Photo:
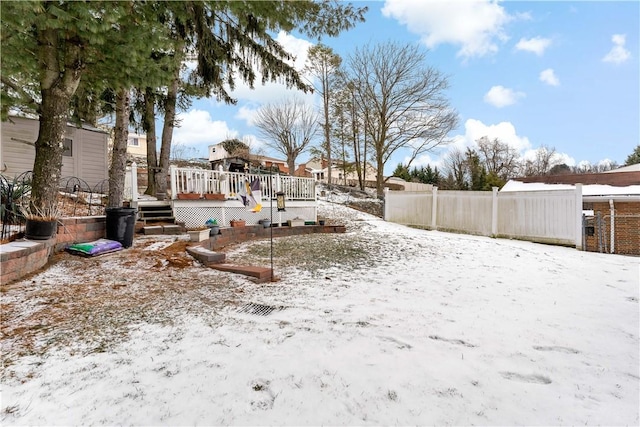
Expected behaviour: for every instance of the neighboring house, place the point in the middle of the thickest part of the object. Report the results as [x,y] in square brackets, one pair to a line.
[241,159]
[137,145]
[611,214]
[85,150]
[318,169]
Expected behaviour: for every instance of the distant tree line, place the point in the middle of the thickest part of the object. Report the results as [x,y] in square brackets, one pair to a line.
[493,163]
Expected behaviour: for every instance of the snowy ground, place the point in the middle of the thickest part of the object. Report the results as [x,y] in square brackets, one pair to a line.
[381,325]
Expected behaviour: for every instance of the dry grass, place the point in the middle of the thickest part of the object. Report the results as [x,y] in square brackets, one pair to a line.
[89,303]
[85,305]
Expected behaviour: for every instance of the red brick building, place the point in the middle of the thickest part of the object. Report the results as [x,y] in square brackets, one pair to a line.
[618,213]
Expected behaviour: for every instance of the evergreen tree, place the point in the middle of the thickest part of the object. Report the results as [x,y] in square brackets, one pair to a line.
[54,46]
[49,47]
[477,171]
[401,171]
[633,158]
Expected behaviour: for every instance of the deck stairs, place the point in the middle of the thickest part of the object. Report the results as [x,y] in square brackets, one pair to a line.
[150,212]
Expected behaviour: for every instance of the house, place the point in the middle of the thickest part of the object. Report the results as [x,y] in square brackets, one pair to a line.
[137,145]
[341,173]
[236,157]
[85,150]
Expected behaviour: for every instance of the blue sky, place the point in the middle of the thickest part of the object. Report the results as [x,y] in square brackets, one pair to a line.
[560,74]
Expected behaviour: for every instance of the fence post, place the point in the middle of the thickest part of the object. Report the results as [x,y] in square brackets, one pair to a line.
[385,214]
[494,212]
[172,176]
[434,208]
[134,182]
[578,216]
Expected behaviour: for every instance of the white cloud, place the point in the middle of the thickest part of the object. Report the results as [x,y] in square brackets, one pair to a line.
[272,91]
[549,77]
[423,160]
[500,96]
[564,158]
[247,113]
[618,54]
[475,26]
[536,45]
[558,158]
[196,127]
[606,163]
[504,131]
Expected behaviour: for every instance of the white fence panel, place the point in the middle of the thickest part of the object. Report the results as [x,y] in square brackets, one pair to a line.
[545,216]
[466,211]
[540,216]
[408,208]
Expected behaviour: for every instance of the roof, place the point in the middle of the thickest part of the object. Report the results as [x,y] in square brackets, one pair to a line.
[617,177]
[587,190]
[630,168]
[84,126]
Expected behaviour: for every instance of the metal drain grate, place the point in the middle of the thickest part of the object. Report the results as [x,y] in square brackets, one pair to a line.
[259,309]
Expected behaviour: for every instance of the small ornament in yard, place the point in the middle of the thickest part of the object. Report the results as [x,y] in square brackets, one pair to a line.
[214,228]
[266,222]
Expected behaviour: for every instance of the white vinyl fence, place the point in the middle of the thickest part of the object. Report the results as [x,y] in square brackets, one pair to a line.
[539,216]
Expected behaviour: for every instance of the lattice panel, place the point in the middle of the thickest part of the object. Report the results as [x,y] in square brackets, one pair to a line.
[196,216]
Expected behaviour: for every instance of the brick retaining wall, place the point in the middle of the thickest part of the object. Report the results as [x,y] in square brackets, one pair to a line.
[232,235]
[22,257]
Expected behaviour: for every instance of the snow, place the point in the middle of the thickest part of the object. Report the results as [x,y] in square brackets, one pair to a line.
[444,329]
[587,190]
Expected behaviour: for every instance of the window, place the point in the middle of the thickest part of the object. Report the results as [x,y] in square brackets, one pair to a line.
[67,147]
[134,142]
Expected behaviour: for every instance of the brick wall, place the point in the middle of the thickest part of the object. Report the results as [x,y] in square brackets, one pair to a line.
[626,227]
[22,257]
[232,235]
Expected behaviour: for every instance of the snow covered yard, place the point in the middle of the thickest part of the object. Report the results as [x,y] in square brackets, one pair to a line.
[382,325]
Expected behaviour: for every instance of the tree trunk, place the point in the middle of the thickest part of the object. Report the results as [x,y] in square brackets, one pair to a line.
[167,134]
[327,135]
[364,160]
[149,126]
[291,164]
[119,152]
[49,147]
[379,176]
[57,86]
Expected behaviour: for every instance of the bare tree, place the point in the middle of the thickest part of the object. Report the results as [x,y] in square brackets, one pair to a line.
[288,127]
[498,157]
[541,164]
[404,100]
[455,163]
[323,64]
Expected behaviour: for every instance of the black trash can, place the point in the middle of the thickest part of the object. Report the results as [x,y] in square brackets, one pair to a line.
[121,225]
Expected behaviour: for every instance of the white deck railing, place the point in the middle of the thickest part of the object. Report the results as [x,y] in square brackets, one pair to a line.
[193,180]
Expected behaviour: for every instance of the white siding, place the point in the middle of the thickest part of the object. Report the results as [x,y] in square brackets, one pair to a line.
[93,167]
[89,155]
[17,156]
